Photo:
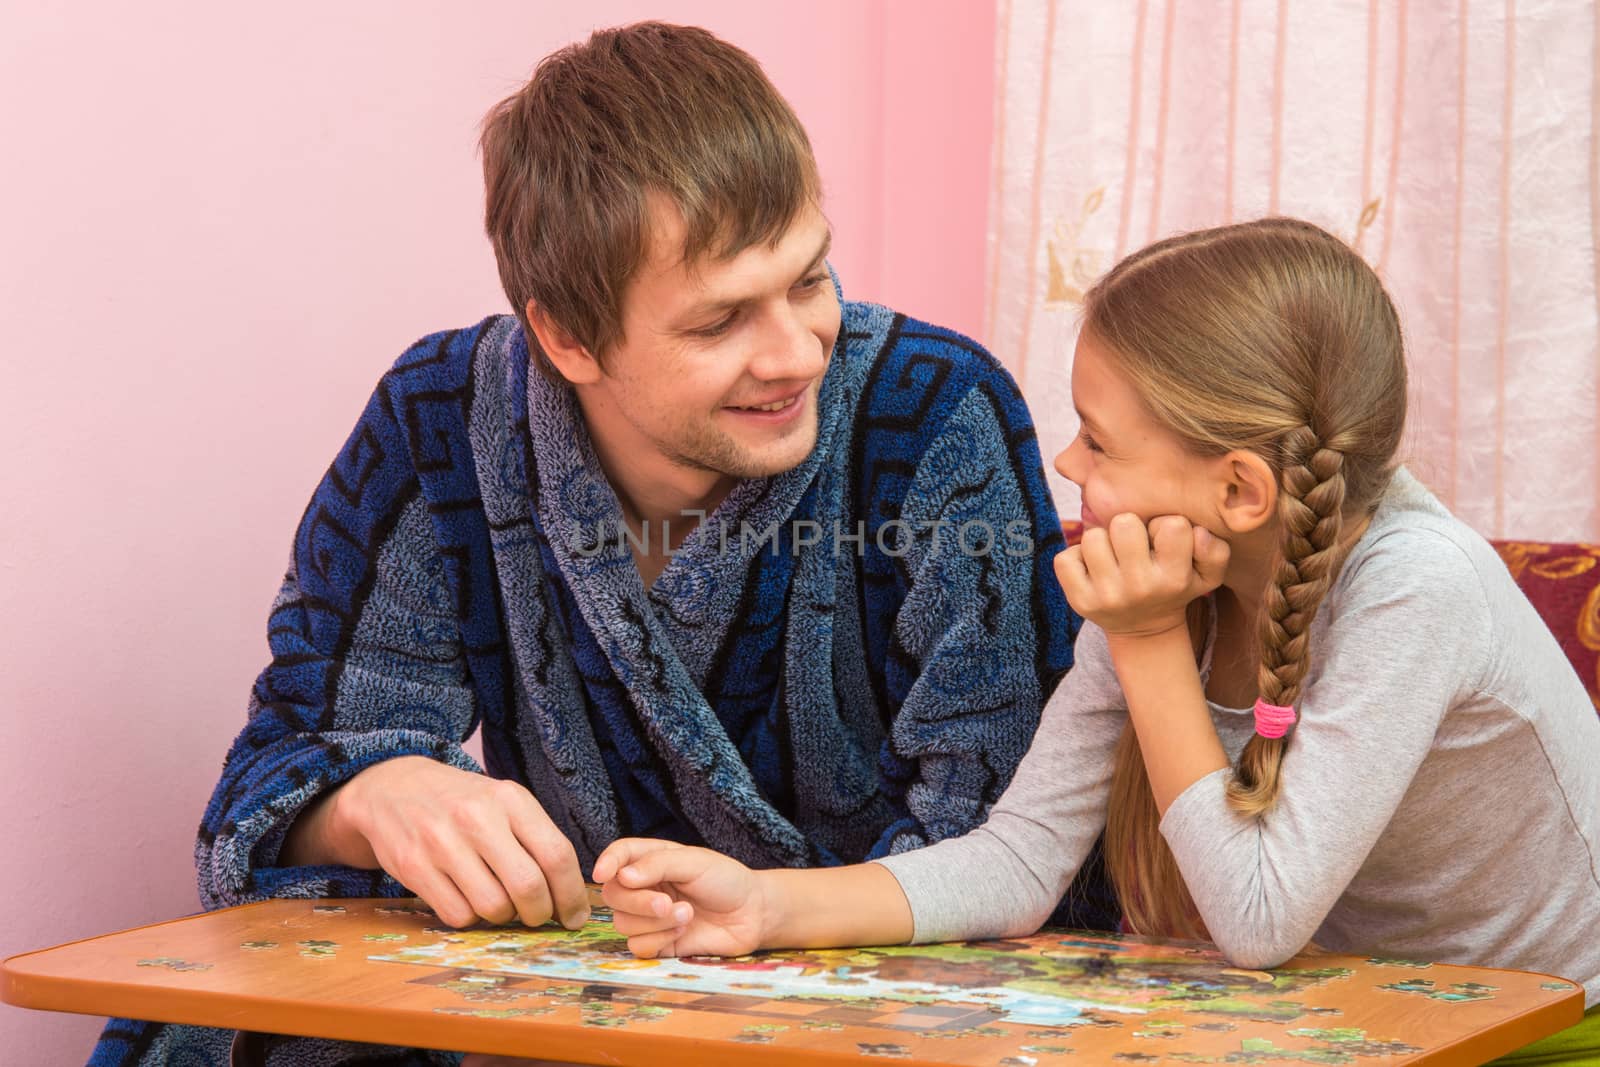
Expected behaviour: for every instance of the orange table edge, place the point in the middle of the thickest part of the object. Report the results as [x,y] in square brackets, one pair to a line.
[25,986]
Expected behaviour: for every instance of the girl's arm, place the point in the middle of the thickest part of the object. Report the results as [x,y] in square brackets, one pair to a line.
[678,900]
[1137,584]
[1407,634]
[807,912]
[1168,707]
[1002,879]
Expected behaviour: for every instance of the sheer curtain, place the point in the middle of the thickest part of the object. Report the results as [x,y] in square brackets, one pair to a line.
[1452,142]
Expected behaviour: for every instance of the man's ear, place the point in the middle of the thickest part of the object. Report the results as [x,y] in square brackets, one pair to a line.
[1247,488]
[574,362]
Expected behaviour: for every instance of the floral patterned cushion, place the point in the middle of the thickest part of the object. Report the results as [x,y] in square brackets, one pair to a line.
[1563,583]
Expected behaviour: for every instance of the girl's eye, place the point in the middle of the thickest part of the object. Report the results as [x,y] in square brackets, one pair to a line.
[1089,442]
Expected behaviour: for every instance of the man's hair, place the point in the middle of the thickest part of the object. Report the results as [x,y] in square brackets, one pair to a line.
[571,160]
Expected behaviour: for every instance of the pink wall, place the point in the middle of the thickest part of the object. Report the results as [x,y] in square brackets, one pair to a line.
[219,225]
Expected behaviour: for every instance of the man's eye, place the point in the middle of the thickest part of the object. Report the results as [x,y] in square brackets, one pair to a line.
[716,329]
[811,282]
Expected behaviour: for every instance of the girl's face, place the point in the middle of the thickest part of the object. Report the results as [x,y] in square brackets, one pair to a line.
[1122,459]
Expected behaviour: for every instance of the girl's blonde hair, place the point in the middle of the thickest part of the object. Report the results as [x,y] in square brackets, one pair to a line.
[1273,337]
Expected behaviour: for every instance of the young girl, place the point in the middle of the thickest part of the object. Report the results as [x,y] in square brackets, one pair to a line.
[1309,704]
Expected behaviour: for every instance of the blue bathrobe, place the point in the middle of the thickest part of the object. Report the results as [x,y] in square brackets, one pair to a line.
[843,661]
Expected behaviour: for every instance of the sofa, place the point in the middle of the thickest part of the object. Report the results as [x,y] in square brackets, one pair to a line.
[1562,580]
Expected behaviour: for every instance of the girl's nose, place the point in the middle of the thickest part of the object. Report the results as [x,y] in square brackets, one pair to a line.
[1069,462]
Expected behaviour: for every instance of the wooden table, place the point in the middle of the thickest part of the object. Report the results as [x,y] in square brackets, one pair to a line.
[387,971]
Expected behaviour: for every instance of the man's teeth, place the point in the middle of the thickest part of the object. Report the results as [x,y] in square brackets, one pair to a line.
[776,406]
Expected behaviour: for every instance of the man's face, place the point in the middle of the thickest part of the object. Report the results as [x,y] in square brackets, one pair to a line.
[721,360]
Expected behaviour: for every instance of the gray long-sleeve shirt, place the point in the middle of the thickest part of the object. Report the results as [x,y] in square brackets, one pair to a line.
[1440,796]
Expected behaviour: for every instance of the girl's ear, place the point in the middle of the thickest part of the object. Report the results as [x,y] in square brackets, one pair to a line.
[1248,488]
[575,362]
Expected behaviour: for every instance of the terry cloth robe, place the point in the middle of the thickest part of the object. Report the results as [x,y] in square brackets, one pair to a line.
[843,661]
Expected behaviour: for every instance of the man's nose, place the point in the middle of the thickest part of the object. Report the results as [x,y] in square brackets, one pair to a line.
[790,349]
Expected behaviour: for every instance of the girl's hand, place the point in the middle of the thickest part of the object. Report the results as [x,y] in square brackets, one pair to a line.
[1132,582]
[669,899]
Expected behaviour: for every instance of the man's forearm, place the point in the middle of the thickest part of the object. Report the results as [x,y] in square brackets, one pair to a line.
[322,835]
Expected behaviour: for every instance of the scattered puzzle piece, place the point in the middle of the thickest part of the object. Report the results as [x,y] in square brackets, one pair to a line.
[174,964]
[496,1013]
[760,1033]
[1254,976]
[1343,1033]
[1459,992]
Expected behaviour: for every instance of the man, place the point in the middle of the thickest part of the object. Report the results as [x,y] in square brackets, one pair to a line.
[704,552]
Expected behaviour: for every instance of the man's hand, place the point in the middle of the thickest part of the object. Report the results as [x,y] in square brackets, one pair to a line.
[677,900]
[1134,582]
[472,847]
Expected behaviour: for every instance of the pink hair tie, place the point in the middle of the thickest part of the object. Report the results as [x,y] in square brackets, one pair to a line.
[1272,720]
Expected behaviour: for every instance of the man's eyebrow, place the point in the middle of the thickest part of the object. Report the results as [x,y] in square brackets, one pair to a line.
[714,306]
[822,252]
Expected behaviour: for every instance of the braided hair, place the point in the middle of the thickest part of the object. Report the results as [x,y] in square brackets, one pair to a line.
[1273,337]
